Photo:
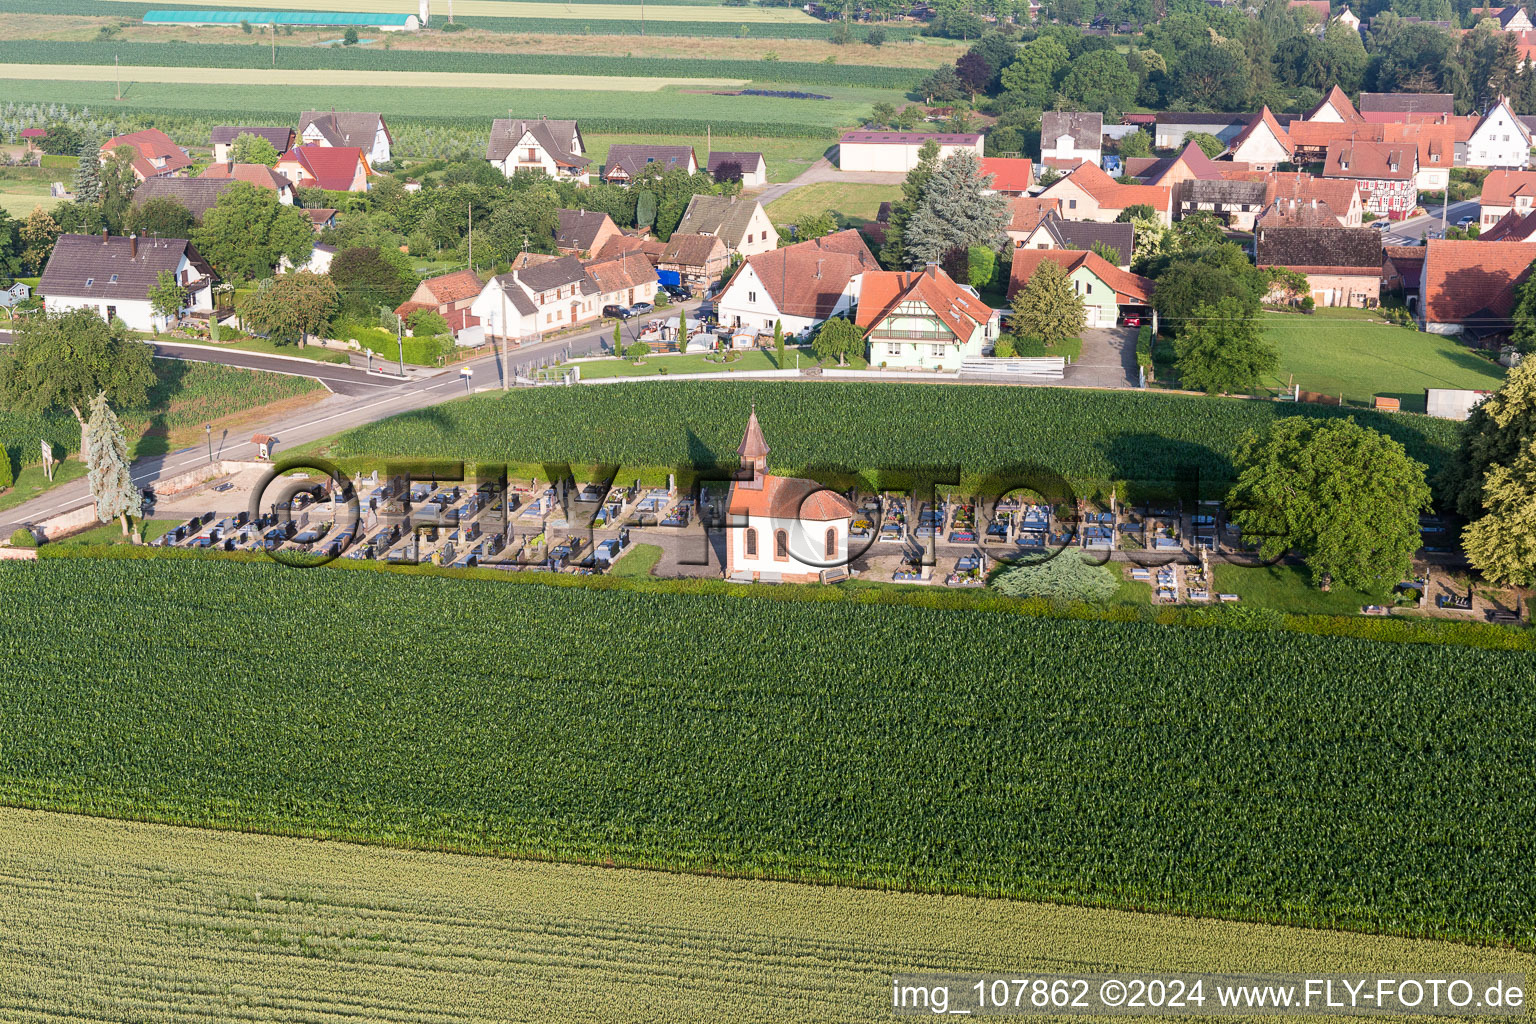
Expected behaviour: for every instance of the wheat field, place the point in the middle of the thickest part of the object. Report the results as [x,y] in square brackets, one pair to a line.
[116,920]
[342,78]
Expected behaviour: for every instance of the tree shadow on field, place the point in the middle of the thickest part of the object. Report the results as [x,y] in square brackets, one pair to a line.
[1158,466]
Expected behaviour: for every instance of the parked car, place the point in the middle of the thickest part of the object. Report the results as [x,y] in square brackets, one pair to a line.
[1132,321]
[641,309]
[1464,223]
[677,291]
[1382,224]
[618,312]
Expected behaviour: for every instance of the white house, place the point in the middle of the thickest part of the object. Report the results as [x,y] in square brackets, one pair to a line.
[553,148]
[897,152]
[1500,140]
[782,529]
[742,224]
[799,285]
[748,167]
[922,319]
[537,297]
[1068,138]
[1263,144]
[113,275]
[365,131]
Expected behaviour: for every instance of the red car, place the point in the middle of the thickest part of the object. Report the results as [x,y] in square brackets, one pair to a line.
[1132,321]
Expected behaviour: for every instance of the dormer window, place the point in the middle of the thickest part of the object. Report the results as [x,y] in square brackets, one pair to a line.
[1343,165]
[112,279]
[90,281]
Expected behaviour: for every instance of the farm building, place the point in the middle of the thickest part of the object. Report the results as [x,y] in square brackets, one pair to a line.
[897,151]
[298,19]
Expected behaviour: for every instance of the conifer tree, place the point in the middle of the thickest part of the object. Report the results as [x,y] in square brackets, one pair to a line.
[106,455]
[88,174]
[956,213]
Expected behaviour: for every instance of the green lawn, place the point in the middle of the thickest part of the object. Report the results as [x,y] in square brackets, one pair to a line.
[31,482]
[1344,351]
[753,359]
[786,158]
[638,561]
[1289,588]
[20,203]
[852,204]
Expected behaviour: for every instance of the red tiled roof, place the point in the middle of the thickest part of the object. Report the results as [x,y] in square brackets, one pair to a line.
[332,168]
[1128,287]
[1512,227]
[1320,7]
[626,270]
[149,145]
[1026,212]
[1336,99]
[255,174]
[1265,118]
[1009,174]
[461,284]
[1473,283]
[1501,187]
[808,278]
[789,497]
[1338,193]
[1109,193]
[1372,160]
[883,290]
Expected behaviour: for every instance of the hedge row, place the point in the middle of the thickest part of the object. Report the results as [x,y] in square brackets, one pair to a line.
[258,56]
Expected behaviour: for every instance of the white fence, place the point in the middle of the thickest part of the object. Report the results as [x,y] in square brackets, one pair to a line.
[1034,367]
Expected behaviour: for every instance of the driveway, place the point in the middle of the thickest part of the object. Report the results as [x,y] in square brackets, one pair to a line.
[823,170]
[1108,359]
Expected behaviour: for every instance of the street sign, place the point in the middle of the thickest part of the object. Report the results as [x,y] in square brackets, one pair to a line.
[48,460]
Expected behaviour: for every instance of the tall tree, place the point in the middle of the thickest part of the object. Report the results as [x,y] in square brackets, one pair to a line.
[957,212]
[838,339]
[38,234]
[1047,307]
[1344,497]
[366,280]
[913,189]
[1493,479]
[247,232]
[291,307]
[87,183]
[160,217]
[117,186]
[106,455]
[61,360]
[1223,350]
[167,296]
[1099,81]
[253,149]
[1031,78]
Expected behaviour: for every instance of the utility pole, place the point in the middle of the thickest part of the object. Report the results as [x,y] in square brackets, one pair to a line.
[1445,206]
[274,42]
[471,236]
[400,340]
[117,71]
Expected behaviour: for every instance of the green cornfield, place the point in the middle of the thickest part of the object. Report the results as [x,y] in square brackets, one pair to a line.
[1262,776]
[1082,435]
[150,923]
[228,55]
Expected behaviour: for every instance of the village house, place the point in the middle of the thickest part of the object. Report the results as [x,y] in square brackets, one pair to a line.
[1235,203]
[897,152]
[1406,107]
[542,146]
[259,175]
[1335,107]
[693,262]
[800,285]
[1050,231]
[1468,287]
[450,296]
[1011,176]
[782,529]
[1069,138]
[198,195]
[529,300]
[1172,129]
[1108,293]
[1506,192]
[1385,173]
[1341,196]
[746,167]
[1512,227]
[923,320]
[1189,164]
[1342,265]
[1500,140]
[1087,193]
[623,280]
[113,275]
[366,132]
[14,294]
[1263,145]
[583,233]
[151,153]
[335,169]
[626,162]
[1509,19]
[321,217]
[223,136]
[741,224]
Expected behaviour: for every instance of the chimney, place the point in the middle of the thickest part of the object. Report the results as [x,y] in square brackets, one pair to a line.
[103,236]
[133,247]
[818,270]
[932,270]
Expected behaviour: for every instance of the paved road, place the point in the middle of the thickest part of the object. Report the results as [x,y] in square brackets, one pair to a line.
[358,399]
[1413,230]
[1108,359]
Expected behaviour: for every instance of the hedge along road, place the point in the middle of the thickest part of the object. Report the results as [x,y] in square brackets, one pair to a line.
[519,9]
[416,79]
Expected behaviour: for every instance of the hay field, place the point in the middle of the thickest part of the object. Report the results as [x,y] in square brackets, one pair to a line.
[121,920]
